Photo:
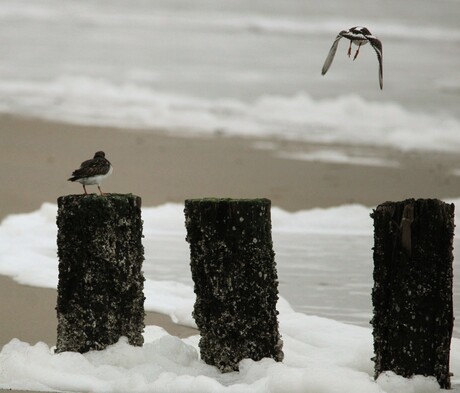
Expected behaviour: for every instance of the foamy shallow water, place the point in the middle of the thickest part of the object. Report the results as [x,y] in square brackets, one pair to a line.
[324,259]
[321,355]
[324,263]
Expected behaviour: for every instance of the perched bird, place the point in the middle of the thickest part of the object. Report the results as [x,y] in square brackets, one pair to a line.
[93,171]
[358,36]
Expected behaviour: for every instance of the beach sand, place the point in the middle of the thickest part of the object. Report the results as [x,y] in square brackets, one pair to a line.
[37,157]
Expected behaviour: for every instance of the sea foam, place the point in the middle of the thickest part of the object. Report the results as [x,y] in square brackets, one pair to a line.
[321,354]
[349,120]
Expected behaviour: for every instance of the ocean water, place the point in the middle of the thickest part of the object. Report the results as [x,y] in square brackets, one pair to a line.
[237,67]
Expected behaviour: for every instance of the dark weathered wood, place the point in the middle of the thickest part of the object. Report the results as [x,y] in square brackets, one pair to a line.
[236,283]
[100,290]
[412,295]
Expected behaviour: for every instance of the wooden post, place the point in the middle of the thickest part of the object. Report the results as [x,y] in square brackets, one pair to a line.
[100,290]
[236,283]
[412,295]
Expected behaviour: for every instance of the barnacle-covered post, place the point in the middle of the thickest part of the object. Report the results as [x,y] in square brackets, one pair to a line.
[236,284]
[100,289]
[412,295]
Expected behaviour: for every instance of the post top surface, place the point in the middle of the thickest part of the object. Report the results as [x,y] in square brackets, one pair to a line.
[96,198]
[228,200]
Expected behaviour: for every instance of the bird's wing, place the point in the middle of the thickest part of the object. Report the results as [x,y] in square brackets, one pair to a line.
[90,168]
[87,163]
[377,45]
[331,55]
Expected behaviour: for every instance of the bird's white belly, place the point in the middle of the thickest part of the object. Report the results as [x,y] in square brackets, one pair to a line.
[91,181]
[360,42]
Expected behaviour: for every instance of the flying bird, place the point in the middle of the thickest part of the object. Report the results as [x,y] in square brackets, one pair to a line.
[93,171]
[359,36]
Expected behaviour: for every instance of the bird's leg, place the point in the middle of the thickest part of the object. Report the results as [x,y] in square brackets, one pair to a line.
[100,190]
[349,50]
[84,188]
[357,51]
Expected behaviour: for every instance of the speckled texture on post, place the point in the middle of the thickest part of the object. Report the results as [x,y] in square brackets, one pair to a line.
[236,283]
[412,295]
[100,290]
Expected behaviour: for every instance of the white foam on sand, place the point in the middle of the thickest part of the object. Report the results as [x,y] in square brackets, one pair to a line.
[337,157]
[321,354]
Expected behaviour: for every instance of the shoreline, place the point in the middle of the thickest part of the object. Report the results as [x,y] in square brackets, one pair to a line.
[37,156]
[36,320]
